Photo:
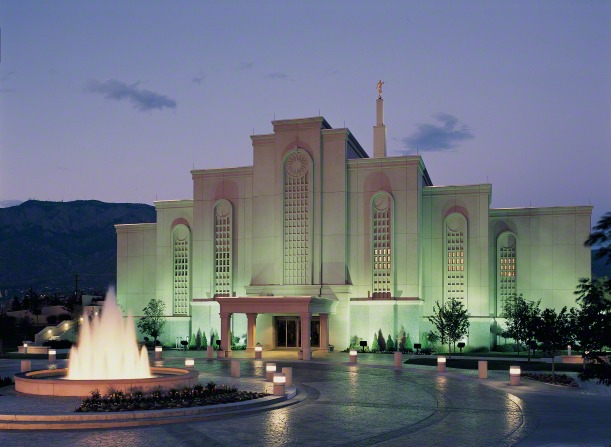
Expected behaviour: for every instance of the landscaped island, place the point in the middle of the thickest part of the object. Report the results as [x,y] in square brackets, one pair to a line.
[197,396]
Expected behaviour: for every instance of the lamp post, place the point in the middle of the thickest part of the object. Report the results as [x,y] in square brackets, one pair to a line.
[279,381]
[441,364]
[514,375]
[270,369]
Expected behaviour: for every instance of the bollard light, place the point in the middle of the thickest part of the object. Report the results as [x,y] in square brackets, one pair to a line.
[270,369]
[52,355]
[158,349]
[353,354]
[158,352]
[398,360]
[189,363]
[482,369]
[235,368]
[441,364]
[279,381]
[258,351]
[25,348]
[514,375]
[288,374]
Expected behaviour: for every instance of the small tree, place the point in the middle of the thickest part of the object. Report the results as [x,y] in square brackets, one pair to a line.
[593,327]
[554,332]
[212,339]
[192,341]
[153,321]
[390,345]
[431,339]
[401,340]
[375,346]
[522,317]
[451,322]
[204,341]
[198,339]
[381,341]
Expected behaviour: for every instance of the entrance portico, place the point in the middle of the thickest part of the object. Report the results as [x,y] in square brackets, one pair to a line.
[302,306]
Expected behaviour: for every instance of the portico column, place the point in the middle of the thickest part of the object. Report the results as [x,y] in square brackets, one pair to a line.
[225,330]
[251,335]
[305,335]
[324,331]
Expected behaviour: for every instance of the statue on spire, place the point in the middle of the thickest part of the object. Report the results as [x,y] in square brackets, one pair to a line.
[379,87]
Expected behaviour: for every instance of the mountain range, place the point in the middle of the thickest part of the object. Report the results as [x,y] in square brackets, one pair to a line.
[45,244]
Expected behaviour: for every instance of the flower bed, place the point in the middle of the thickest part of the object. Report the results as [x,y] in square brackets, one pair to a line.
[158,400]
[557,379]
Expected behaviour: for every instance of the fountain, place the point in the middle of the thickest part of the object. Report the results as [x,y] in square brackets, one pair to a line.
[107,356]
[96,356]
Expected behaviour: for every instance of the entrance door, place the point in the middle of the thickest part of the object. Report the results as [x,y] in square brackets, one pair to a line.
[288,332]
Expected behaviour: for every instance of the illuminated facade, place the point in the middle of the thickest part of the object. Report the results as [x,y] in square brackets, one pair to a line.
[316,242]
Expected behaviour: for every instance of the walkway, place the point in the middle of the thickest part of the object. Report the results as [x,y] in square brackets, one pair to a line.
[370,404]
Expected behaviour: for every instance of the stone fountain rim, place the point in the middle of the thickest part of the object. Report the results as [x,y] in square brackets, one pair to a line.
[38,382]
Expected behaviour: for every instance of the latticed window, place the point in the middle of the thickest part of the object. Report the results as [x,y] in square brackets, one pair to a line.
[455,243]
[182,255]
[382,245]
[297,216]
[506,268]
[223,221]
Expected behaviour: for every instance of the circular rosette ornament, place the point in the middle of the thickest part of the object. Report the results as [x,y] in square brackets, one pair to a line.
[223,208]
[296,164]
[381,202]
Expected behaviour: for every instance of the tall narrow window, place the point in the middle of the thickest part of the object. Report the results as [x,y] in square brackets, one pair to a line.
[381,233]
[181,241]
[297,218]
[455,260]
[506,268]
[223,230]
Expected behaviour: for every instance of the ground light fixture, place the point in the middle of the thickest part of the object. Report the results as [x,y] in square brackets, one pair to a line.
[258,351]
[189,363]
[52,355]
[25,348]
[353,354]
[514,375]
[270,369]
[158,352]
[441,364]
[279,381]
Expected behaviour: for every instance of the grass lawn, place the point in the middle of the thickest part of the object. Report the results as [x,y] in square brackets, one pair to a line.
[497,365]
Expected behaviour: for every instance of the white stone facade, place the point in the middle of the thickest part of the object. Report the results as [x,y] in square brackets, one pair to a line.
[373,237]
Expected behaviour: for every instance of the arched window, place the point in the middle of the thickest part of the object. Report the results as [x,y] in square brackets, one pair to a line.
[455,259]
[506,268]
[297,218]
[381,247]
[223,230]
[181,244]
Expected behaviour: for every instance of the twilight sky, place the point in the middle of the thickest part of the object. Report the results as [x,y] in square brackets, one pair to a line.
[117,101]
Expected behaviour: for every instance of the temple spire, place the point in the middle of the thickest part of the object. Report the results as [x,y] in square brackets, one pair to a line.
[379,130]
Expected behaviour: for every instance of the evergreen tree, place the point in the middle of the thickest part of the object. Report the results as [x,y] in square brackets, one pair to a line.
[375,346]
[390,345]
[381,341]
[198,339]
[212,339]
[192,342]
[204,341]
[408,342]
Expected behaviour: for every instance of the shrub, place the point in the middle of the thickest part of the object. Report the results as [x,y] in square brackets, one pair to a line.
[375,346]
[426,351]
[390,345]
[6,381]
[198,339]
[204,341]
[476,349]
[381,341]
[504,348]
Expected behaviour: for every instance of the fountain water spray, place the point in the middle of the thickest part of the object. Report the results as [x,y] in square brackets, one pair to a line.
[107,347]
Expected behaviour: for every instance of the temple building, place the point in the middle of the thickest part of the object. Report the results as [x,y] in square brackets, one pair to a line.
[316,243]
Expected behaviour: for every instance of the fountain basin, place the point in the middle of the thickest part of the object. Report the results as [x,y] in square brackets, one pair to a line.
[52,382]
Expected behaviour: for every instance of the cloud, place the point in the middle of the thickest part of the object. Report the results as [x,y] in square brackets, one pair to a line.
[278,76]
[246,65]
[141,99]
[447,134]
[199,79]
